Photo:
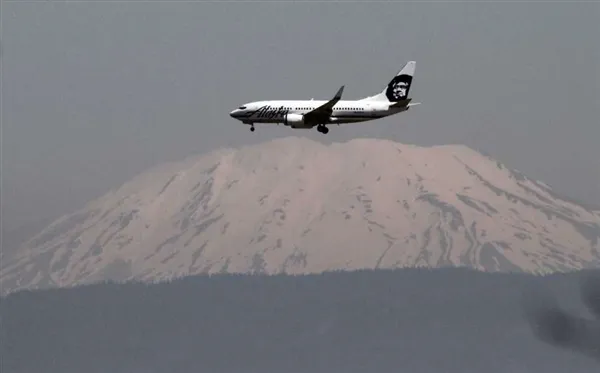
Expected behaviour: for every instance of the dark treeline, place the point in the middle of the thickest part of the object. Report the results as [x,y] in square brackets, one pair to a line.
[409,320]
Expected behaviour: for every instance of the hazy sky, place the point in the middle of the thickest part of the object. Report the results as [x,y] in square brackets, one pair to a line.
[94,93]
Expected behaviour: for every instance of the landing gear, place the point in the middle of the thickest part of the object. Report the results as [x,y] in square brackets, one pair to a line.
[252,128]
[321,128]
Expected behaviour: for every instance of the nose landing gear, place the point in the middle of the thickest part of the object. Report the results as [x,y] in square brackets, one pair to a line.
[252,128]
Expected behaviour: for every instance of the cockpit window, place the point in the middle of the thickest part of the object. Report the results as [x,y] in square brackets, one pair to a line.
[242,107]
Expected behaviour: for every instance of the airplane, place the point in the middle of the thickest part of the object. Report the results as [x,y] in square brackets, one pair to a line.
[306,114]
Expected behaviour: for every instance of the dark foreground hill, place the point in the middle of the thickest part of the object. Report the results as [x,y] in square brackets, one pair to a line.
[411,320]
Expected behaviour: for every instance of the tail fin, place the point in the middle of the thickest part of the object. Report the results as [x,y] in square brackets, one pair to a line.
[398,88]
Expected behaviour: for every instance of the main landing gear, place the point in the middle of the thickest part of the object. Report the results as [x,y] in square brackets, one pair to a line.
[321,128]
[252,127]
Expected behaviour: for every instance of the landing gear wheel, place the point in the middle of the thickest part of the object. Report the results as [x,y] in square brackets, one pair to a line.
[322,129]
[252,129]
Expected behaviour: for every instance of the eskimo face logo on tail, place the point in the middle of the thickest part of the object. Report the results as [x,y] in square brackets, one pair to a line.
[269,112]
[398,88]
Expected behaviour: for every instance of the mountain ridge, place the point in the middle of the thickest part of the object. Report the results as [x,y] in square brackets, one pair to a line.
[294,205]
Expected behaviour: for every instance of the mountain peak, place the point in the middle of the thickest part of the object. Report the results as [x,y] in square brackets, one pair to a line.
[294,205]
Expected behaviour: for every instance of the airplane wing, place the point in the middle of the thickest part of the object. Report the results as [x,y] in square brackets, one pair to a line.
[323,112]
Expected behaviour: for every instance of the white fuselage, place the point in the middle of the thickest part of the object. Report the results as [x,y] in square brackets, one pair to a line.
[344,111]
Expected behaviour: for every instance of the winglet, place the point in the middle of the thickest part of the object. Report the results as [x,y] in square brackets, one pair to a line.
[338,95]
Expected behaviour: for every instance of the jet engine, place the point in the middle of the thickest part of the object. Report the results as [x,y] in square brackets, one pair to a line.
[294,120]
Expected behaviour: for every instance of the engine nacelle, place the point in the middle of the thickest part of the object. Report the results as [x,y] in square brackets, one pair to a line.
[294,120]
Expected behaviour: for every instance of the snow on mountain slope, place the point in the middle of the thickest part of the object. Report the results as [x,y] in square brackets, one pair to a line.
[296,206]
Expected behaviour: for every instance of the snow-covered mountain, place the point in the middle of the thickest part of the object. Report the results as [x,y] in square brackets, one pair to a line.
[296,206]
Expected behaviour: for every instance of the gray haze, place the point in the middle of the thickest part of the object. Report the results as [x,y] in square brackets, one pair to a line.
[94,93]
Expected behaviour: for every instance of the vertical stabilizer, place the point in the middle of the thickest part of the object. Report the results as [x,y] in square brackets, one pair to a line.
[399,87]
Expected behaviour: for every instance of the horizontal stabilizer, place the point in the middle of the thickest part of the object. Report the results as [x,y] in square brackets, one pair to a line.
[401,103]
